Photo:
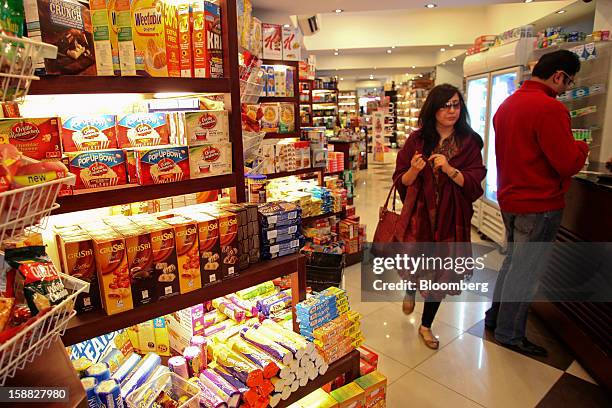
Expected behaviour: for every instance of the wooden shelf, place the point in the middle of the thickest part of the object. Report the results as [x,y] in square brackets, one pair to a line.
[275,135]
[323,89]
[93,324]
[130,193]
[334,173]
[295,173]
[348,365]
[267,99]
[64,84]
[266,61]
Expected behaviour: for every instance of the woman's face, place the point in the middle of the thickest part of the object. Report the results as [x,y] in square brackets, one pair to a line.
[448,115]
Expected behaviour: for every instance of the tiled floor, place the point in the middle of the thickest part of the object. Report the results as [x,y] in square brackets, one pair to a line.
[469,369]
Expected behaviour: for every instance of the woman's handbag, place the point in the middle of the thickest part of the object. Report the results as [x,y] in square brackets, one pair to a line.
[387,220]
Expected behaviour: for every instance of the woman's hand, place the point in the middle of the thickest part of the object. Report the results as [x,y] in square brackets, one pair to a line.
[417,163]
[440,162]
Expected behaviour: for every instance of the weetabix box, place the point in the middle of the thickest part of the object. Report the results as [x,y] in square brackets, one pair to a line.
[102,29]
[102,168]
[214,43]
[211,159]
[184,32]
[37,138]
[89,132]
[206,126]
[198,38]
[125,38]
[187,252]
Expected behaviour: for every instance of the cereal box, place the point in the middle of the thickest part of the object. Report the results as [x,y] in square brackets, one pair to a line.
[160,165]
[291,44]
[143,129]
[187,252]
[198,38]
[89,132]
[270,119]
[228,240]
[184,32]
[210,159]
[272,41]
[102,168]
[256,45]
[140,264]
[67,25]
[171,29]
[270,85]
[36,138]
[111,12]
[149,36]
[165,261]
[280,82]
[206,126]
[214,43]
[287,117]
[210,250]
[125,38]
[102,28]
[289,84]
[113,273]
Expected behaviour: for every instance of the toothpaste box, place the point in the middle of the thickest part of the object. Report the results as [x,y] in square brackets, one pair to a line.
[210,159]
[102,31]
[214,43]
[102,168]
[143,129]
[163,164]
[89,132]
[206,126]
[36,138]
[125,37]
[184,38]
[198,38]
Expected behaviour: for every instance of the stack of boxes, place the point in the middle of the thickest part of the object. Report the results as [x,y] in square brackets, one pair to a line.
[335,162]
[283,156]
[349,233]
[278,81]
[280,229]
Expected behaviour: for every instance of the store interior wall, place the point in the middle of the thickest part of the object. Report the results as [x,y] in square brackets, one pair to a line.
[450,74]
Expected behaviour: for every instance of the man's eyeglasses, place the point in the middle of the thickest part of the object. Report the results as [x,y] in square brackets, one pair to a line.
[570,81]
[451,105]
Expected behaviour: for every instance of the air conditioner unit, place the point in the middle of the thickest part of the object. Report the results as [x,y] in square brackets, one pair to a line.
[309,25]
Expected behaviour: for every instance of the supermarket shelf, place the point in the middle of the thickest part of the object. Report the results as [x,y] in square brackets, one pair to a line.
[321,216]
[267,61]
[325,103]
[132,192]
[65,84]
[323,89]
[275,135]
[265,99]
[295,173]
[93,324]
[348,365]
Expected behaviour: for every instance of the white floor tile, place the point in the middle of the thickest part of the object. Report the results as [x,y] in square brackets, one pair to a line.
[489,374]
[365,308]
[578,371]
[460,315]
[416,390]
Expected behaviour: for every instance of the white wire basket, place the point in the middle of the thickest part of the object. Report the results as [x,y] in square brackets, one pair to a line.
[18,58]
[30,342]
[251,142]
[250,89]
[28,206]
[174,385]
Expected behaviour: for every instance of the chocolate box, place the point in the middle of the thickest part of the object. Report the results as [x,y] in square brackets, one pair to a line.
[187,252]
[210,249]
[210,159]
[67,25]
[101,168]
[142,130]
[206,126]
[140,264]
[37,138]
[89,132]
[160,165]
[228,240]
[214,43]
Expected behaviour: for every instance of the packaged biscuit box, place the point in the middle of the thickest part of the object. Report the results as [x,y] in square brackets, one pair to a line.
[272,41]
[89,132]
[163,164]
[214,43]
[102,31]
[270,119]
[210,249]
[125,38]
[198,38]
[140,264]
[228,241]
[165,262]
[184,33]
[187,252]
[291,44]
[102,168]
[67,25]
[36,138]
[374,386]
[211,159]
[143,129]
[206,126]
[113,273]
[287,117]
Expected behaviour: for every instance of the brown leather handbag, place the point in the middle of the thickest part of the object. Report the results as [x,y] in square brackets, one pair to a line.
[387,219]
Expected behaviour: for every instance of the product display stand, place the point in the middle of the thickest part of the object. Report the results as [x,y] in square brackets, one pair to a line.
[295,99]
[305,86]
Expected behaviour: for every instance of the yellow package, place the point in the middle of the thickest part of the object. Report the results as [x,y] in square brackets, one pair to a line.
[146,337]
[162,339]
[132,335]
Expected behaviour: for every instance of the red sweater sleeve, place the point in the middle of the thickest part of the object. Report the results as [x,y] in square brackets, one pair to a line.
[566,155]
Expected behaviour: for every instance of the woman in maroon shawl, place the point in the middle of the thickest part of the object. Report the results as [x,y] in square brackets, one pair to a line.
[438,175]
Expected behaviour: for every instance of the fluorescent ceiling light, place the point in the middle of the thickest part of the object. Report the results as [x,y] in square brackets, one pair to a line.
[528,1]
[431,5]
[414,66]
[561,11]
[286,26]
[342,79]
[393,46]
[336,53]
[442,49]
[454,59]
[389,51]
[451,45]
[338,11]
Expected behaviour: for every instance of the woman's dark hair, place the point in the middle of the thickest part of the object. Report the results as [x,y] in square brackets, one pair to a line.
[553,62]
[436,100]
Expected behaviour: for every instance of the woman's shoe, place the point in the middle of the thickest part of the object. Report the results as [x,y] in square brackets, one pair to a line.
[408,304]
[428,337]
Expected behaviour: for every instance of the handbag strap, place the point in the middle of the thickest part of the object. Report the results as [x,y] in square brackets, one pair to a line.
[394,191]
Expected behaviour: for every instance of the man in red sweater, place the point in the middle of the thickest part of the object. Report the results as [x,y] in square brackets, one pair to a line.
[536,158]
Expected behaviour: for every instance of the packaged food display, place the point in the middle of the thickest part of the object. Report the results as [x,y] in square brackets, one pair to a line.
[67,25]
[228,236]
[271,117]
[198,38]
[209,245]
[287,117]
[148,35]
[206,126]
[143,129]
[185,39]
[140,263]
[291,45]
[187,251]
[125,39]
[90,132]
[214,47]
[256,44]
[183,325]
[163,164]
[210,159]
[36,138]
[272,41]
[102,168]
[279,214]
[350,395]
[108,394]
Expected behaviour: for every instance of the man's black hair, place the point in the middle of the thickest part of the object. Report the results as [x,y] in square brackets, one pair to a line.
[551,63]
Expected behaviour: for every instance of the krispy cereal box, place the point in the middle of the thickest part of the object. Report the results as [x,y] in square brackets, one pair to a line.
[36,138]
[143,129]
[272,41]
[206,126]
[211,159]
[184,33]
[163,164]
[214,44]
[102,168]
[89,132]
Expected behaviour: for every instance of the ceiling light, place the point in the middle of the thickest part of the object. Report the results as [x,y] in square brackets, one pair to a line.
[342,79]
[442,49]
[454,59]
[431,5]
[561,11]
[528,1]
[374,68]
[444,63]
[451,45]
[286,26]
[393,46]
[336,53]
[420,75]
[389,51]
[414,66]
[338,11]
